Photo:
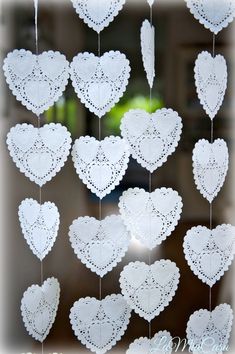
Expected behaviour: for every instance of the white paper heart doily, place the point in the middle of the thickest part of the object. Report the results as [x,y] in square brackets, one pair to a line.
[212,14]
[100,82]
[39,307]
[150,217]
[100,245]
[98,14]
[150,2]
[209,253]
[210,166]
[39,153]
[101,165]
[149,289]
[209,332]
[151,137]
[147,39]
[161,343]
[99,325]
[211,81]
[36,81]
[39,224]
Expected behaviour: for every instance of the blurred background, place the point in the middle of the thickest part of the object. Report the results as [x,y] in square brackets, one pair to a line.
[179,39]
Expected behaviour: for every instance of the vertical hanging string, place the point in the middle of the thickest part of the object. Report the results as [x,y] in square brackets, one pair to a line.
[100,203]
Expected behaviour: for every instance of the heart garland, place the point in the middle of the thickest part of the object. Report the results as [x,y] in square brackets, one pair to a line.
[39,224]
[147,38]
[98,14]
[39,153]
[39,307]
[100,324]
[149,289]
[210,166]
[101,165]
[150,217]
[100,245]
[151,137]
[211,81]
[100,81]
[37,81]
[159,344]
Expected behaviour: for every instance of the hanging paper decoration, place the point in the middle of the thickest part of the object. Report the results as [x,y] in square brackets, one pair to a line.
[150,2]
[148,289]
[210,166]
[39,153]
[100,81]
[150,217]
[99,325]
[37,81]
[147,36]
[39,224]
[160,343]
[101,165]
[98,14]
[100,245]
[212,14]
[211,81]
[151,137]
[39,307]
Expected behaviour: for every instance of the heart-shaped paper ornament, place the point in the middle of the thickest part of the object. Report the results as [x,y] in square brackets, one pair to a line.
[210,166]
[149,289]
[100,82]
[212,14]
[100,245]
[150,2]
[151,137]
[39,224]
[101,165]
[98,14]
[209,332]
[99,325]
[39,307]
[209,253]
[147,38]
[211,81]
[161,343]
[36,81]
[150,217]
[39,153]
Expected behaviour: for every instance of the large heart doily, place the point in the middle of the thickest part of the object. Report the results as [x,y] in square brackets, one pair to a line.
[212,14]
[100,245]
[161,343]
[147,38]
[39,307]
[149,289]
[39,224]
[100,82]
[101,165]
[150,217]
[211,81]
[98,14]
[36,81]
[151,137]
[99,325]
[209,253]
[39,153]
[208,332]
[210,166]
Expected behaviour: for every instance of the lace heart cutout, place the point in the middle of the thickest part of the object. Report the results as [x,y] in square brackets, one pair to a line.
[149,289]
[98,14]
[150,217]
[36,81]
[99,325]
[39,224]
[210,166]
[211,81]
[39,153]
[208,332]
[151,137]
[159,344]
[212,14]
[150,2]
[101,165]
[39,307]
[147,38]
[100,82]
[100,245]
[209,253]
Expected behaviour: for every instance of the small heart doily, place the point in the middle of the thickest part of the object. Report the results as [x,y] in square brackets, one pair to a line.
[147,40]
[160,343]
